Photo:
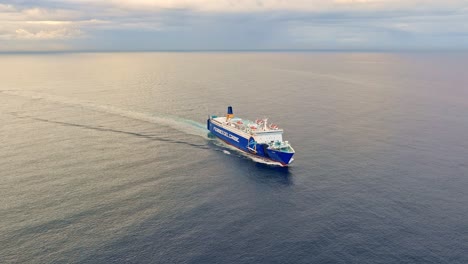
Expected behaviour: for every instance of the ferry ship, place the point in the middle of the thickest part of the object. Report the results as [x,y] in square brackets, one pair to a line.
[257,138]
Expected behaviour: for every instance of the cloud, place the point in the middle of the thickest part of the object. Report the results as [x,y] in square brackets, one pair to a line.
[40,23]
[235,24]
[61,33]
[279,5]
[6,8]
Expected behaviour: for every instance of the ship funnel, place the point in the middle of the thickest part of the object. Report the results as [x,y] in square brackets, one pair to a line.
[230,114]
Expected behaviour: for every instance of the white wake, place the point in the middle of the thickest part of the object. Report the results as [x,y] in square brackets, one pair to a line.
[184,125]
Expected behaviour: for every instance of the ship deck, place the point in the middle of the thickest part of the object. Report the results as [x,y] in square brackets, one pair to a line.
[248,126]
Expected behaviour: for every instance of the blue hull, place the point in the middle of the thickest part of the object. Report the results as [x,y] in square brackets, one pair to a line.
[242,143]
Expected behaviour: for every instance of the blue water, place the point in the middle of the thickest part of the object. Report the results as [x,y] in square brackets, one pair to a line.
[104,158]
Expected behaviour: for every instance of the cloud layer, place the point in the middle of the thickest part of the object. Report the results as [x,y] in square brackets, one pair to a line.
[230,24]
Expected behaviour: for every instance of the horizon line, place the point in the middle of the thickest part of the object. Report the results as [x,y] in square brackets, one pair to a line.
[231,50]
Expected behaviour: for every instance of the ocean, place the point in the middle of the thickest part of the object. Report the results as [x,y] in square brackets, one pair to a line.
[105,158]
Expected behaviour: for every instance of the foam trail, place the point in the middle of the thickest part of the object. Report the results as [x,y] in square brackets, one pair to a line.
[271,163]
[244,154]
[180,124]
[184,125]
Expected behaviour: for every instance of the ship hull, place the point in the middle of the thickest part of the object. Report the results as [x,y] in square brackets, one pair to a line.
[241,142]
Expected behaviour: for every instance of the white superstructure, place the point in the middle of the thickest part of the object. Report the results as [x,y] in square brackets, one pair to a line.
[260,130]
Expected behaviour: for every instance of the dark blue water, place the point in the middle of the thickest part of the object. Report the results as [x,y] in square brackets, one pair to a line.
[104,158]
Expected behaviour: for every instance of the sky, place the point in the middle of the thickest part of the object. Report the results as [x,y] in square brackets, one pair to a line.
[141,25]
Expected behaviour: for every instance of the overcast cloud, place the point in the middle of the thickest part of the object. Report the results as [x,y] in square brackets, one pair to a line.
[233,25]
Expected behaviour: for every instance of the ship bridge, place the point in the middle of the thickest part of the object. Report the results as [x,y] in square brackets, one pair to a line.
[268,136]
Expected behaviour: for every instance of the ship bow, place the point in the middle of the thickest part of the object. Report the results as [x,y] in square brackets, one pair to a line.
[284,158]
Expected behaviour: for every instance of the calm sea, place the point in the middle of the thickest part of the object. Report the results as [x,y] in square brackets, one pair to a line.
[104,158]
